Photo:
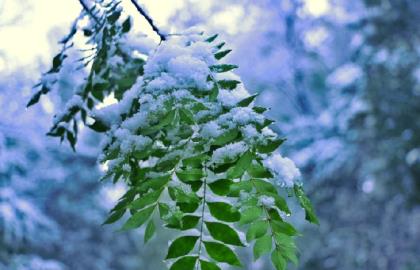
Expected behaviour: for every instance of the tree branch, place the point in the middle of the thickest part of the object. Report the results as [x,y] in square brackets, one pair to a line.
[89,12]
[148,19]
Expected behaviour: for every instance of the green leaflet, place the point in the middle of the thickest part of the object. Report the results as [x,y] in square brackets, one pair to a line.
[223,68]
[258,171]
[138,219]
[220,55]
[146,200]
[246,101]
[278,261]
[212,38]
[228,84]
[226,137]
[223,211]
[150,231]
[99,126]
[221,187]
[221,253]
[195,161]
[205,265]
[186,116]
[237,187]
[190,175]
[185,263]
[224,233]
[126,25]
[250,214]
[154,183]
[241,165]
[115,216]
[262,246]
[270,146]
[306,204]
[283,227]
[257,229]
[181,246]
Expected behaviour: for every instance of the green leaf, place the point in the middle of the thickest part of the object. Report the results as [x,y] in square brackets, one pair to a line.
[115,216]
[270,146]
[222,68]
[289,254]
[35,98]
[186,116]
[220,55]
[226,137]
[99,126]
[57,62]
[245,102]
[72,140]
[220,45]
[145,200]
[223,211]
[185,263]
[278,261]
[154,183]
[205,265]
[214,93]
[259,109]
[224,233]
[262,246]
[150,231]
[138,219]
[167,120]
[257,229]
[181,246]
[237,187]
[228,84]
[258,171]
[212,38]
[263,186]
[126,25]
[250,214]
[114,17]
[306,204]
[180,196]
[221,253]
[190,175]
[189,222]
[221,187]
[241,165]
[283,227]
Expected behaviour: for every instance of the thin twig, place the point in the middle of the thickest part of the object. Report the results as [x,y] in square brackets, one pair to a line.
[88,11]
[148,19]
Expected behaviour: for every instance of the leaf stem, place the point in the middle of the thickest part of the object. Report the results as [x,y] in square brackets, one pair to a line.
[89,12]
[202,218]
[149,20]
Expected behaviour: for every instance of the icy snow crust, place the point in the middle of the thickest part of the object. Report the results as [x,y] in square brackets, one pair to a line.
[178,78]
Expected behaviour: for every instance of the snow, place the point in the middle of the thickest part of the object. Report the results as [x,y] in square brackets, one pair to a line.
[175,65]
[266,201]
[211,130]
[229,152]
[241,116]
[230,98]
[284,168]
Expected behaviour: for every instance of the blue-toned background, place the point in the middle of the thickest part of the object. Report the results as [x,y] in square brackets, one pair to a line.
[342,79]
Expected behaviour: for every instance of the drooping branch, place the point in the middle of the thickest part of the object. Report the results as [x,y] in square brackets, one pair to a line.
[88,11]
[149,20]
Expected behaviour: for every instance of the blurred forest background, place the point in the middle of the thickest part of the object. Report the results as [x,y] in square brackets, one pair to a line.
[342,79]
